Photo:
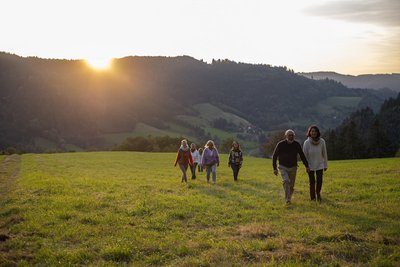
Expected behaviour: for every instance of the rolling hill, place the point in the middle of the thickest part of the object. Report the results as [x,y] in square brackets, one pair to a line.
[61,105]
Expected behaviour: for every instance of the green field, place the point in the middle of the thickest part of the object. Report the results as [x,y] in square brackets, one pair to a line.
[142,129]
[331,104]
[128,208]
[207,113]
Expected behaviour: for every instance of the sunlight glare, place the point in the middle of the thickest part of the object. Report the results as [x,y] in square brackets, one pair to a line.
[99,63]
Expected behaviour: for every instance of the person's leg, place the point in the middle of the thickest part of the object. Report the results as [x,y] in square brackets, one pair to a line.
[208,171]
[237,172]
[285,182]
[214,173]
[234,170]
[193,169]
[292,177]
[319,184]
[183,169]
[311,178]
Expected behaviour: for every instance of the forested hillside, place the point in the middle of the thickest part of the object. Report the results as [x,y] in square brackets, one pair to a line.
[68,104]
[365,134]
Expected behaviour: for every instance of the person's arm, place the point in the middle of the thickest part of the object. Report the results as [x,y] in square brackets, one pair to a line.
[230,158]
[305,149]
[177,158]
[325,155]
[190,159]
[202,159]
[240,159]
[302,156]
[275,157]
[217,156]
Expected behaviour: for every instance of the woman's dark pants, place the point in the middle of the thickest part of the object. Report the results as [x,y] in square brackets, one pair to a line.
[315,187]
[235,169]
[193,169]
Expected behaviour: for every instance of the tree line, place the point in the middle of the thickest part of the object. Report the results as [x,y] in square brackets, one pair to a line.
[163,144]
[365,134]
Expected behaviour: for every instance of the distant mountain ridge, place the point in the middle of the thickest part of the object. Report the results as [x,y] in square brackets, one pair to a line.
[69,105]
[370,81]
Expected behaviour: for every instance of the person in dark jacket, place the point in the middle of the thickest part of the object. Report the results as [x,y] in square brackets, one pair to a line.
[235,159]
[286,152]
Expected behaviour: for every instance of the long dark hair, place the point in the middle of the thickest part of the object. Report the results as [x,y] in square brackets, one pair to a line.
[316,129]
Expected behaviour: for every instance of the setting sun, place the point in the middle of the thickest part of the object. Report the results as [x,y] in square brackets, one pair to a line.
[99,63]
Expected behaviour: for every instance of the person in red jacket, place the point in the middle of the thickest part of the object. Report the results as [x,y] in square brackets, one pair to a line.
[184,159]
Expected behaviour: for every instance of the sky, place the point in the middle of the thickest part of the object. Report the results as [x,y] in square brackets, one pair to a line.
[346,36]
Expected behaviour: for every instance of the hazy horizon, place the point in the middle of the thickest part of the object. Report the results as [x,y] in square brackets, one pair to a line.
[208,62]
[348,37]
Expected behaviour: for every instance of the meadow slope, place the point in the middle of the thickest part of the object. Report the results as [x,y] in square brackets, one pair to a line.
[130,208]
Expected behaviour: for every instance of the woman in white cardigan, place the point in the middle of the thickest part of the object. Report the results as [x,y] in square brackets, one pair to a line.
[314,149]
[196,159]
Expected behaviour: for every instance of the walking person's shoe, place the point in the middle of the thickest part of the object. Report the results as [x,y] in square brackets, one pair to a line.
[319,199]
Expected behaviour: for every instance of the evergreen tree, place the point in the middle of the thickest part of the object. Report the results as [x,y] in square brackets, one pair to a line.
[331,144]
[379,144]
[389,117]
[364,134]
[355,147]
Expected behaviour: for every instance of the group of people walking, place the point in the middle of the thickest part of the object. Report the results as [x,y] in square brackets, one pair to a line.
[313,155]
[207,159]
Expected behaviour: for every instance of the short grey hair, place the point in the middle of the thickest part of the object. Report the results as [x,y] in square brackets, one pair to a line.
[289,131]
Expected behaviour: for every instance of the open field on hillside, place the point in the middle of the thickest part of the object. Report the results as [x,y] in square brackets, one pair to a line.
[331,104]
[142,129]
[118,208]
[207,113]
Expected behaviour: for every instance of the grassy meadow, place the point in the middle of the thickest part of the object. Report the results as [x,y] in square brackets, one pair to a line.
[130,208]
